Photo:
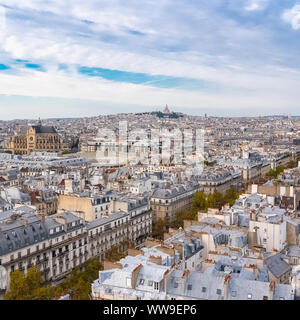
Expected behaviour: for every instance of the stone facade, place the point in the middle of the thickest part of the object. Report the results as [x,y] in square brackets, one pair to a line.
[35,139]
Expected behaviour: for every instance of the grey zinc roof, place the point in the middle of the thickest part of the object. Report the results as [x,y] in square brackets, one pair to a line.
[14,236]
[198,286]
[101,221]
[174,191]
[277,266]
[44,129]
[294,251]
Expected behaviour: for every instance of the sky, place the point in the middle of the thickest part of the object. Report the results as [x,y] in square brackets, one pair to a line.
[74,58]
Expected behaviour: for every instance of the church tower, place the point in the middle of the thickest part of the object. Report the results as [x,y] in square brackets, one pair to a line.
[166,109]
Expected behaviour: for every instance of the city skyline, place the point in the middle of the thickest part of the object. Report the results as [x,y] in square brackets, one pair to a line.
[69,59]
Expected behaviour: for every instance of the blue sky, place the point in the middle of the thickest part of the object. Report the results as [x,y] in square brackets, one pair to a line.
[65,58]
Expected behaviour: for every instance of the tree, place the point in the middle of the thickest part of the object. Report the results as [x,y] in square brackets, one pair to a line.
[81,290]
[199,202]
[33,279]
[18,289]
[182,215]
[231,195]
[158,229]
[30,286]
[114,254]
[292,164]
[91,269]
[46,293]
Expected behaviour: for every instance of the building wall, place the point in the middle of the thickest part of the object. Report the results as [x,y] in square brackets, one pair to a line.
[274,234]
[77,205]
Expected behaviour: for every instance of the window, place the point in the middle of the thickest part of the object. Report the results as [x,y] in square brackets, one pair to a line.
[156,285]
[176,285]
[265,298]
[249,296]
[219,291]
[150,283]
[233,293]
[189,287]
[142,281]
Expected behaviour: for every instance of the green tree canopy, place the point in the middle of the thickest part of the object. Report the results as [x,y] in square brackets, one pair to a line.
[158,229]
[182,215]
[31,287]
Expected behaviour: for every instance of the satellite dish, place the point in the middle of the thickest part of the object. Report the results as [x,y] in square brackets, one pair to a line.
[3,278]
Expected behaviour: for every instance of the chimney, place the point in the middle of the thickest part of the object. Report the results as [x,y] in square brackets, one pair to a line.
[24,222]
[108,265]
[226,285]
[166,276]
[253,215]
[183,279]
[134,252]
[42,217]
[272,290]
[62,220]
[135,274]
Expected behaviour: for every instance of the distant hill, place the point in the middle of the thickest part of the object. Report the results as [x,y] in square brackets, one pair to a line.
[61,118]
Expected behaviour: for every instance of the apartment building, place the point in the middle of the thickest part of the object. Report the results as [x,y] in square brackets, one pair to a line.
[141,215]
[87,205]
[51,243]
[166,202]
[107,232]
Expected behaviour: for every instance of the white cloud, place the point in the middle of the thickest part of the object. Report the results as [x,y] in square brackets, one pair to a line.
[278,93]
[292,16]
[254,5]
[180,40]
[2,23]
